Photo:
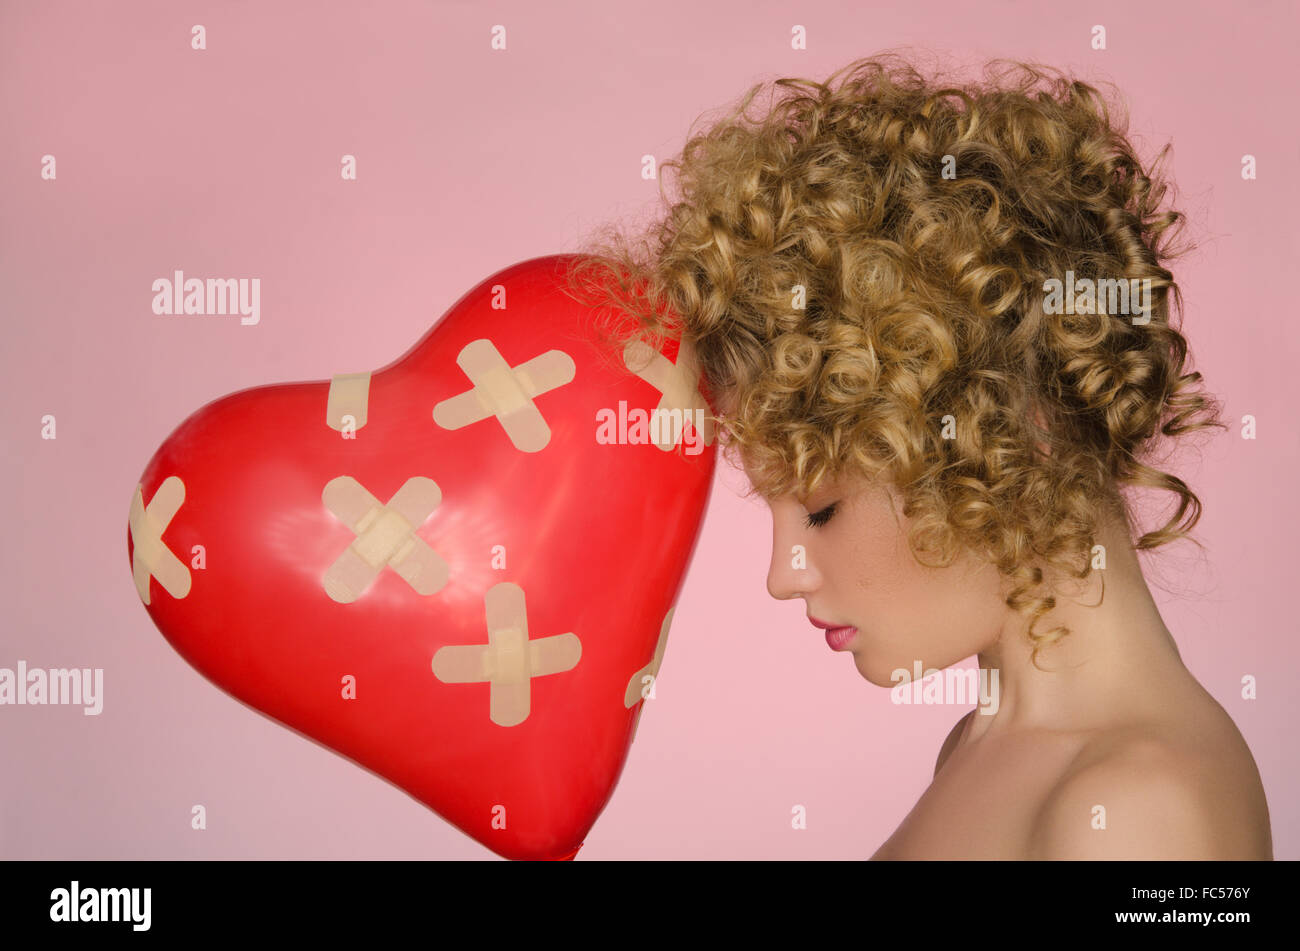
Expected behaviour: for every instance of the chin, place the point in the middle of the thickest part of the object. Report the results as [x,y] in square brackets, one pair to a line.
[874,670]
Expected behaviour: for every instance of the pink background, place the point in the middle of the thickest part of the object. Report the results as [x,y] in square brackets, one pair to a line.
[225,162]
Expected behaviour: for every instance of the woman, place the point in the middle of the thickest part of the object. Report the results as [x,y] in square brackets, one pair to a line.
[936,324]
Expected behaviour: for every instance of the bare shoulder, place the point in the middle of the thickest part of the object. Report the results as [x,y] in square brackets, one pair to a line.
[1162,790]
[951,742]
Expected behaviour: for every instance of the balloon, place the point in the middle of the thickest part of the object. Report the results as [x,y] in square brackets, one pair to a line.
[458,571]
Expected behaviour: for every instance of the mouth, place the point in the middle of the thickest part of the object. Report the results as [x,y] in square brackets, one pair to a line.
[838,636]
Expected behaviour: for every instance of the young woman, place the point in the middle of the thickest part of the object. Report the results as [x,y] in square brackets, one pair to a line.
[936,323]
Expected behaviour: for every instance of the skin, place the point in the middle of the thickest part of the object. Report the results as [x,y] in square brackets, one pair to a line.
[1113,720]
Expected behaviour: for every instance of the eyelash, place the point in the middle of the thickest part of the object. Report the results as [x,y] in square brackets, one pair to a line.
[817,519]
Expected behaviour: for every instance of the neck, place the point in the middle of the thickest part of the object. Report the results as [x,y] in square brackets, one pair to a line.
[1116,649]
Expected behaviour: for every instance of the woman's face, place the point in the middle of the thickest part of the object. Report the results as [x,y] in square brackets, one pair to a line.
[856,570]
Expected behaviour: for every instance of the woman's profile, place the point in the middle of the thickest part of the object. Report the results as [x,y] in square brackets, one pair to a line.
[935,320]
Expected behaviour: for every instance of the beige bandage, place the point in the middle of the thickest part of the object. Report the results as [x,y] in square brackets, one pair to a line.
[506,393]
[637,683]
[510,659]
[679,384]
[386,537]
[149,556]
[349,396]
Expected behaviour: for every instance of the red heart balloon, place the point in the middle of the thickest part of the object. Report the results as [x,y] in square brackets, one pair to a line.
[457,571]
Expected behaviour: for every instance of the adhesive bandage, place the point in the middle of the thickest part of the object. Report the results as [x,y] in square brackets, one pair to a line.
[149,556]
[679,384]
[637,683]
[349,396]
[510,660]
[506,392]
[386,537]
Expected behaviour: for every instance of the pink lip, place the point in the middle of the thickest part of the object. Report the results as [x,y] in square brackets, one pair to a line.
[826,625]
[838,637]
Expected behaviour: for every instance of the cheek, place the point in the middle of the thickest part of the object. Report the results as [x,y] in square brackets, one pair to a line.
[937,616]
[887,577]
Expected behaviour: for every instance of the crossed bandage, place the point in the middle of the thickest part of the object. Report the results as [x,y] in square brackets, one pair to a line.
[506,392]
[149,556]
[385,537]
[510,659]
[679,384]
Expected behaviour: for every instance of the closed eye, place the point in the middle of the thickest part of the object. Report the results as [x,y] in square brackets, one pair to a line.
[820,518]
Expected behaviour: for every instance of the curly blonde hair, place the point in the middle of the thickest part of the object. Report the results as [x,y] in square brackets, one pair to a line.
[860,274]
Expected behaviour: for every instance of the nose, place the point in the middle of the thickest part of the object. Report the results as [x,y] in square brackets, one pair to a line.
[792,572]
